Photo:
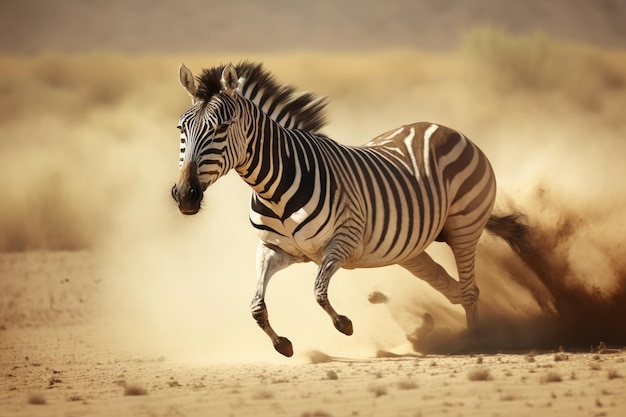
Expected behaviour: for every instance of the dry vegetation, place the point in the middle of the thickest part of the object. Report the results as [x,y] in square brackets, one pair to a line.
[134,389]
[538,63]
[83,136]
[263,395]
[479,374]
[37,399]
[406,384]
[378,390]
[551,376]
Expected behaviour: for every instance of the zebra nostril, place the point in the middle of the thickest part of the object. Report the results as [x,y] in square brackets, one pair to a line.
[174,193]
[194,194]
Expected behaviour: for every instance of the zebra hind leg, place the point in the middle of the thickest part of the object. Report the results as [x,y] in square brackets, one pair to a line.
[425,268]
[465,257]
[269,261]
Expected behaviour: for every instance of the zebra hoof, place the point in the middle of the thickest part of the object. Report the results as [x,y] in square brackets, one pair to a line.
[344,325]
[284,347]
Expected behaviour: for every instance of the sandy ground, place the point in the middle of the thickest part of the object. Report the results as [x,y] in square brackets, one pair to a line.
[57,358]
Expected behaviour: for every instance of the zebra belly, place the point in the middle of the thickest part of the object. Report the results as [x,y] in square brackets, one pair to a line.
[313,249]
[300,243]
[382,245]
[371,258]
[314,252]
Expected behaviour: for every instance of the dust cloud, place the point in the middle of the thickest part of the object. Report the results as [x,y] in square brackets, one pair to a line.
[558,153]
[93,170]
[570,291]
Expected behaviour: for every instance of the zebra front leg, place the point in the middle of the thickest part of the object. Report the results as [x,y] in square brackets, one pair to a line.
[325,272]
[269,261]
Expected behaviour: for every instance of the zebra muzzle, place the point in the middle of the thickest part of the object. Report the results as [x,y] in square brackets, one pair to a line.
[190,199]
[188,192]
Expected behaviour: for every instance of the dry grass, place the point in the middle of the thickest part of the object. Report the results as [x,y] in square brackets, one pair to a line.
[172,383]
[594,366]
[479,374]
[36,399]
[118,108]
[378,390]
[613,374]
[134,389]
[406,384]
[279,380]
[550,377]
[508,397]
[263,394]
[535,62]
[74,397]
[332,375]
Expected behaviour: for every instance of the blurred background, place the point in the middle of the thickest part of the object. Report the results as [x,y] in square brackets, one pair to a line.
[279,25]
[90,99]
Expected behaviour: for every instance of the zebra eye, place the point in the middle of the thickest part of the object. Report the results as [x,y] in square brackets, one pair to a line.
[221,128]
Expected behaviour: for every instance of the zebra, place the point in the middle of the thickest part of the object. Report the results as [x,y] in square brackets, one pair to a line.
[315,199]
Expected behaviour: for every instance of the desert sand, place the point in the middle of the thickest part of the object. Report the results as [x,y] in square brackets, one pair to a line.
[56,362]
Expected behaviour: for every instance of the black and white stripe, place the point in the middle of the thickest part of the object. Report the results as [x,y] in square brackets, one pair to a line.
[317,200]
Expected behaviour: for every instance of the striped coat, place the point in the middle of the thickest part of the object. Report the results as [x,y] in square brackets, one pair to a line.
[317,200]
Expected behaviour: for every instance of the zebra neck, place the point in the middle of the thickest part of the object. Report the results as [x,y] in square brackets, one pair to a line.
[279,165]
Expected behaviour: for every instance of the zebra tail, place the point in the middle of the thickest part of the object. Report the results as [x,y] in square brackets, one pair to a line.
[514,230]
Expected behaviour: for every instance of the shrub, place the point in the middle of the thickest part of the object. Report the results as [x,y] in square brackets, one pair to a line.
[480,374]
[37,399]
[134,389]
[378,390]
[613,374]
[536,62]
[263,395]
[406,384]
[550,377]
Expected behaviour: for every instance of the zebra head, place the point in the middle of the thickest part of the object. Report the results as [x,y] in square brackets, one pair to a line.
[207,148]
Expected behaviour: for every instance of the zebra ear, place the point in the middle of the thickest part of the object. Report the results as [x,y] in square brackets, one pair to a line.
[187,80]
[230,81]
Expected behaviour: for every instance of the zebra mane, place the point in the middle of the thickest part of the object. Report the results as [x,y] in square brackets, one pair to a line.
[292,110]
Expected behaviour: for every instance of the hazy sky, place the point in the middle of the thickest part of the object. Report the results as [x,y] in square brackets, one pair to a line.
[210,25]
